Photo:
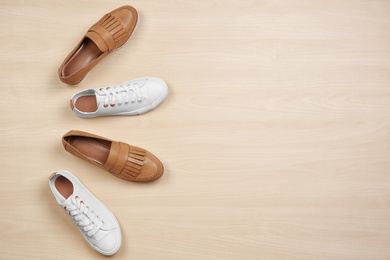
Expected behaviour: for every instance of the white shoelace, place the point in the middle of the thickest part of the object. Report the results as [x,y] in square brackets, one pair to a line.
[124,93]
[83,215]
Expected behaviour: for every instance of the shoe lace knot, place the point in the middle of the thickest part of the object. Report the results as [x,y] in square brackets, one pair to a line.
[83,215]
[121,94]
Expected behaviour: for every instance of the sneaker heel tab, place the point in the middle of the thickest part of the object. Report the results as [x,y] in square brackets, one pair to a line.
[52,175]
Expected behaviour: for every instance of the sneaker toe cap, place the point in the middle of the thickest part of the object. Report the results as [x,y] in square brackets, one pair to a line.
[157,90]
[110,244]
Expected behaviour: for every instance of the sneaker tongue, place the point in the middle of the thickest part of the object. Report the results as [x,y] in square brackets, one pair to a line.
[99,98]
[66,201]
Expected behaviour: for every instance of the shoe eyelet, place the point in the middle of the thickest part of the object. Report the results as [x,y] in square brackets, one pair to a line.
[105,106]
[112,105]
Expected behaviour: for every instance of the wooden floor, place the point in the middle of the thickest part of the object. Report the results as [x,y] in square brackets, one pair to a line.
[275,133]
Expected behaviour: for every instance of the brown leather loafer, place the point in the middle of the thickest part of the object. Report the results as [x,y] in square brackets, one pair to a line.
[105,36]
[120,159]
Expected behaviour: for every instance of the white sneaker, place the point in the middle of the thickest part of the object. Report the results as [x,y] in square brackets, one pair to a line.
[133,97]
[94,220]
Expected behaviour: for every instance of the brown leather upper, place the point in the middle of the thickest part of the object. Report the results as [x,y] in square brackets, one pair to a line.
[108,34]
[120,159]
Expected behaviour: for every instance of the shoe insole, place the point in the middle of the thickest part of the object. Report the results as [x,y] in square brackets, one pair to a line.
[64,186]
[86,103]
[93,149]
[87,52]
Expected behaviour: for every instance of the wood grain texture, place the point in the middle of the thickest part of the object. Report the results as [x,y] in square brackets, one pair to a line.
[275,133]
